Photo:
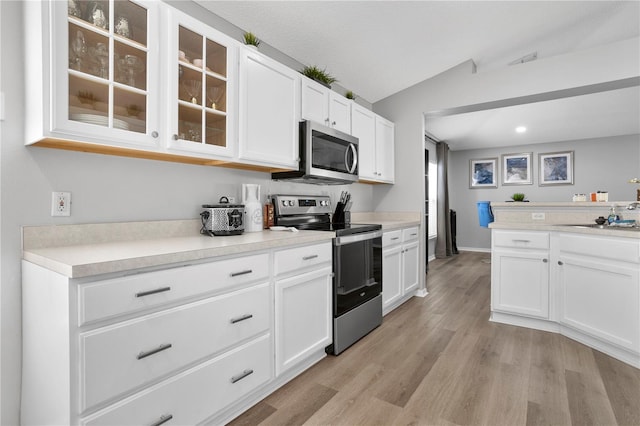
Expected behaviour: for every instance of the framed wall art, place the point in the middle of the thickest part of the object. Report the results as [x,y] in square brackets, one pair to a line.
[516,169]
[556,168]
[483,173]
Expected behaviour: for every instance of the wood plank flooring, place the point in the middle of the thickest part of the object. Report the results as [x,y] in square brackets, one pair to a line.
[439,361]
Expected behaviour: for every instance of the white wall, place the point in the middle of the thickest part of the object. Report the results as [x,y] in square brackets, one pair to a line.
[599,164]
[104,189]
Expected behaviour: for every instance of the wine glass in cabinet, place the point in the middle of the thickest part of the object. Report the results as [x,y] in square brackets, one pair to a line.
[203,88]
[108,90]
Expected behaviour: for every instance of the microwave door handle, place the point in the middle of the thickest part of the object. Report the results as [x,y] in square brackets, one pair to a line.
[351,168]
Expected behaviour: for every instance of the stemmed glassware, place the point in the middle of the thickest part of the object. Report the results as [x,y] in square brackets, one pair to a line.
[79,50]
[101,55]
[192,87]
[214,93]
[130,66]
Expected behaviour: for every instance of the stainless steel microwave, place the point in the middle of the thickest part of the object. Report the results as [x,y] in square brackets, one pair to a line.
[327,156]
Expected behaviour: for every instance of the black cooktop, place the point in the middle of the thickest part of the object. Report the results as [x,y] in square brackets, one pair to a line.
[341,229]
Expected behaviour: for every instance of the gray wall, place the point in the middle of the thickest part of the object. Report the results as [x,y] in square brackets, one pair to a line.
[599,164]
[460,87]
[104,189]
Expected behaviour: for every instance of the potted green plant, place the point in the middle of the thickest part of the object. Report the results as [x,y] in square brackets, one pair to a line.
[250,39]
[518,196]
[319,75]
[350,95]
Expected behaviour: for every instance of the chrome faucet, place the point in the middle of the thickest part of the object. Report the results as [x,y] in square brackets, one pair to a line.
[634,205]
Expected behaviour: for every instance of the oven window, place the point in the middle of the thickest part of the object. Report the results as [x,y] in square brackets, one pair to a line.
[358,273]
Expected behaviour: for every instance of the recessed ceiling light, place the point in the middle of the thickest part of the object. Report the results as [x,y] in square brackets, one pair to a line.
[521,129]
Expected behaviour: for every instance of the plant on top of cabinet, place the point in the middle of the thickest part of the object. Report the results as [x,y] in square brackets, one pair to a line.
[250,39]
[350,95]
[319,75]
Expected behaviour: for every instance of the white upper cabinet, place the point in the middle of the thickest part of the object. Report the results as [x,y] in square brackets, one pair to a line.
[385,150]
[324,106]
[201,70]
[363,126]
[269,112]
[91,72]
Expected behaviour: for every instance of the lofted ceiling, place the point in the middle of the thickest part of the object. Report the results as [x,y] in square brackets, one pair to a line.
[377,48]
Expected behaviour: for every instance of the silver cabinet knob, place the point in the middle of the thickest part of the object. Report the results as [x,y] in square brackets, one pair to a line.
[545,260]
[175,137]
[154,134]
[560,263]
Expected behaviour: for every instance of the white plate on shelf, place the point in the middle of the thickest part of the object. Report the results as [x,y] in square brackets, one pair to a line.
[99,120]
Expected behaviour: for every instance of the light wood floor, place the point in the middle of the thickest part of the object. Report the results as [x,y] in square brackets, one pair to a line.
[439,361]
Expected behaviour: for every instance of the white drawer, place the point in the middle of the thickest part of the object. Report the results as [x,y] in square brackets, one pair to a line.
[521,239]
[622,249]
[410,234]
[109,298]
[302,257]
[195,395]
[121,357]
[390,238]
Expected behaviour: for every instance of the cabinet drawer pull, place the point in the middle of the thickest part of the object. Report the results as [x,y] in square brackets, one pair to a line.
[162,420]
[235,274]
[241,376]
[242,318]
[560,263]
[313,256]
[521,241]
[150,292]
[545,260]
[413,235]
[154,351]
[395,238]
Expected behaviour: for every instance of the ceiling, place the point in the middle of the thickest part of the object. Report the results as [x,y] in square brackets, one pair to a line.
[377,48]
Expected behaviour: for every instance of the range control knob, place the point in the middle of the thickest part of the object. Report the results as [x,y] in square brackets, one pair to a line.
[291,203]
[284,202]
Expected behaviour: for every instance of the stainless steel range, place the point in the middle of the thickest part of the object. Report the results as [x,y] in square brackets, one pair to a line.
[357,265]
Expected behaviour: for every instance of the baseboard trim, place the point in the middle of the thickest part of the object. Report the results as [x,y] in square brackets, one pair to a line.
[475,249]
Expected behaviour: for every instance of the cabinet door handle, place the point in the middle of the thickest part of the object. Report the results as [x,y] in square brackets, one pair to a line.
[154,351]
[545,260]
[313,256]
[333,123]
[150,292]
[560,263]
[162,420]
[235,274]
[242,318]
[241,376]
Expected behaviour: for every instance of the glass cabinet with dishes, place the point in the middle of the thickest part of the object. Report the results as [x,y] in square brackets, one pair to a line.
[201,73]
[93,69]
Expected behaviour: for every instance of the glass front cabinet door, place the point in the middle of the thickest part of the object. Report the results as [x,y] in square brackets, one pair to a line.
[105,72]
[201,93]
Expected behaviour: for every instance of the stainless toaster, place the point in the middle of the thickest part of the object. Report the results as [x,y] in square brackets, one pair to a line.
[222,219]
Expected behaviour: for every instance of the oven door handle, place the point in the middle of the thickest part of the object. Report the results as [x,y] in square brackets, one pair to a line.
[349,239]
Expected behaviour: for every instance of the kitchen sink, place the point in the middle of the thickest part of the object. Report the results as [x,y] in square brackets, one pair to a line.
[608,227]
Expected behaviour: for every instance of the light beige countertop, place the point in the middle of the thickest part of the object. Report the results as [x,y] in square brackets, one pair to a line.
[83,250]
[79,251]
[389,220]
[558,216]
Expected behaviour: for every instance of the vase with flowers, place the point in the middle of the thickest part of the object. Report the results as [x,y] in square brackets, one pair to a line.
[637,181]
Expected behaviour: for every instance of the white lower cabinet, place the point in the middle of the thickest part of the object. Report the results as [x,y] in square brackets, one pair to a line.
[583,286]
[192,396]
[303,304]
[183,345]
[599,288]
[400,266]
[520,273]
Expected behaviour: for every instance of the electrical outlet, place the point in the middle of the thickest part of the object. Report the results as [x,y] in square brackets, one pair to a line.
[60,204]
[537,216]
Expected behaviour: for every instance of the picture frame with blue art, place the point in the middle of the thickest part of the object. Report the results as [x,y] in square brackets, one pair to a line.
[483,173]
